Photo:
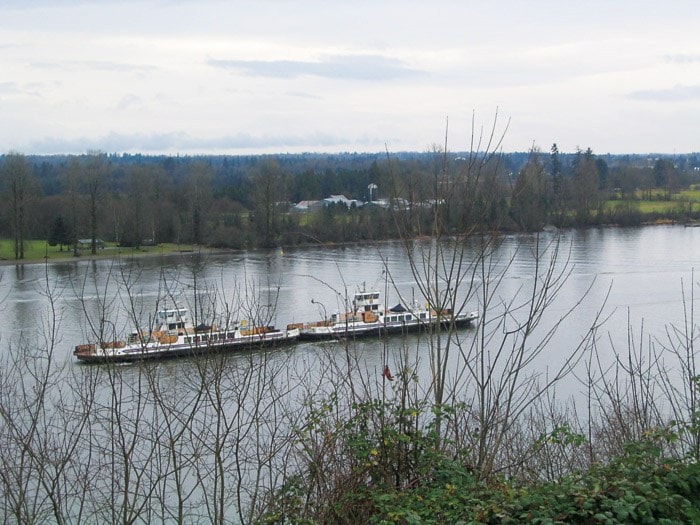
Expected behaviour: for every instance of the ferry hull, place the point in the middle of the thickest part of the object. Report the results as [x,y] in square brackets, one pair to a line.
[146,353]
[339,332]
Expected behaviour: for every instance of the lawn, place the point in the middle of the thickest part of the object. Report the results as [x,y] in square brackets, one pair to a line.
[39,250]
[658,205]
[648,207]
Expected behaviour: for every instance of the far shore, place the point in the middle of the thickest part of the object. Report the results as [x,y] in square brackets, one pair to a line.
[114,252]
[108,254]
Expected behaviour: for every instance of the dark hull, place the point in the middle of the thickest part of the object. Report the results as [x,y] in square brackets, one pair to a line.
[383,330]
[184,351]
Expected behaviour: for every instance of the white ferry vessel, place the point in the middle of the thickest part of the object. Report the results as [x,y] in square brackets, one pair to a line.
[369,317]
[175,336]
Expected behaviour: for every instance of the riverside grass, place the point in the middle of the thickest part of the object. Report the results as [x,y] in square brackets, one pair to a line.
[36,251]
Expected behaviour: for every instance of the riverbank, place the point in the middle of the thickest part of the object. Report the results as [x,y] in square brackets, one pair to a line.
[38,252]
[113,253]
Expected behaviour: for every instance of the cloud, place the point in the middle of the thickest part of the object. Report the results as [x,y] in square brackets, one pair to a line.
[12,88]
[674,94]
[8,87]
[345,67]
[302,94]
[26,4]
[94,65]
[129,101]
[682,59]
[183,142]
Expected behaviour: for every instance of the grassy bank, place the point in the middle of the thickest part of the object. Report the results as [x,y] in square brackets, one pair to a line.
[39,251]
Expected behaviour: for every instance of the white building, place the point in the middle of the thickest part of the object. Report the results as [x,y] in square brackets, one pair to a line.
[307,206]
[341,199]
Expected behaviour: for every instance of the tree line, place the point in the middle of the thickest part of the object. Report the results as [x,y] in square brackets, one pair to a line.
[244,202]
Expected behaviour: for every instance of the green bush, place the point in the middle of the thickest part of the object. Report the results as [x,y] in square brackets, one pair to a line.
[386,469]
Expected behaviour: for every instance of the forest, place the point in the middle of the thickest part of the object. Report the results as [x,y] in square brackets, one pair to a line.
[247,201]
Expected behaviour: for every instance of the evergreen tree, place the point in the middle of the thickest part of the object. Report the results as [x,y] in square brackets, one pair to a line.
[558,187]
[529,202]
[585,186]
[60,234]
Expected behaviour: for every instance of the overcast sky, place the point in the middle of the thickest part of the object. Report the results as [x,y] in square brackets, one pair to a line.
[266,76]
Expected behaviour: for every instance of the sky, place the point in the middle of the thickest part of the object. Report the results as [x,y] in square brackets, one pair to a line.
[248,77]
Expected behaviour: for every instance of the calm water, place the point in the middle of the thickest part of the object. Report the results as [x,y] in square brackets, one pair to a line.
[633,277]
[646,270]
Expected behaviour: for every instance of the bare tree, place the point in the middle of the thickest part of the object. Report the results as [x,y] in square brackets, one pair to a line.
[530,202]
[94,174]
[20,184]
[267,193]
[493,376]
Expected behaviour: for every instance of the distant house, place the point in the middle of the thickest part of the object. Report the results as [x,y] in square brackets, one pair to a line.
[86,244]
[380,203]
[397,203]
[283,206]
[341,199]
[400,203]
[306,206]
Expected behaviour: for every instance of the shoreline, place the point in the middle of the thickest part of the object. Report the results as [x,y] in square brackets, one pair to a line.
[115,253]
[109,256]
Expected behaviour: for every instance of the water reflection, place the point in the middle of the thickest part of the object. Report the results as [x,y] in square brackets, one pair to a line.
[643,267]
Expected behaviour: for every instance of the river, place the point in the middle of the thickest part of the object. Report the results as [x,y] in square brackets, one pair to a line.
[646,271]
[632,278]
